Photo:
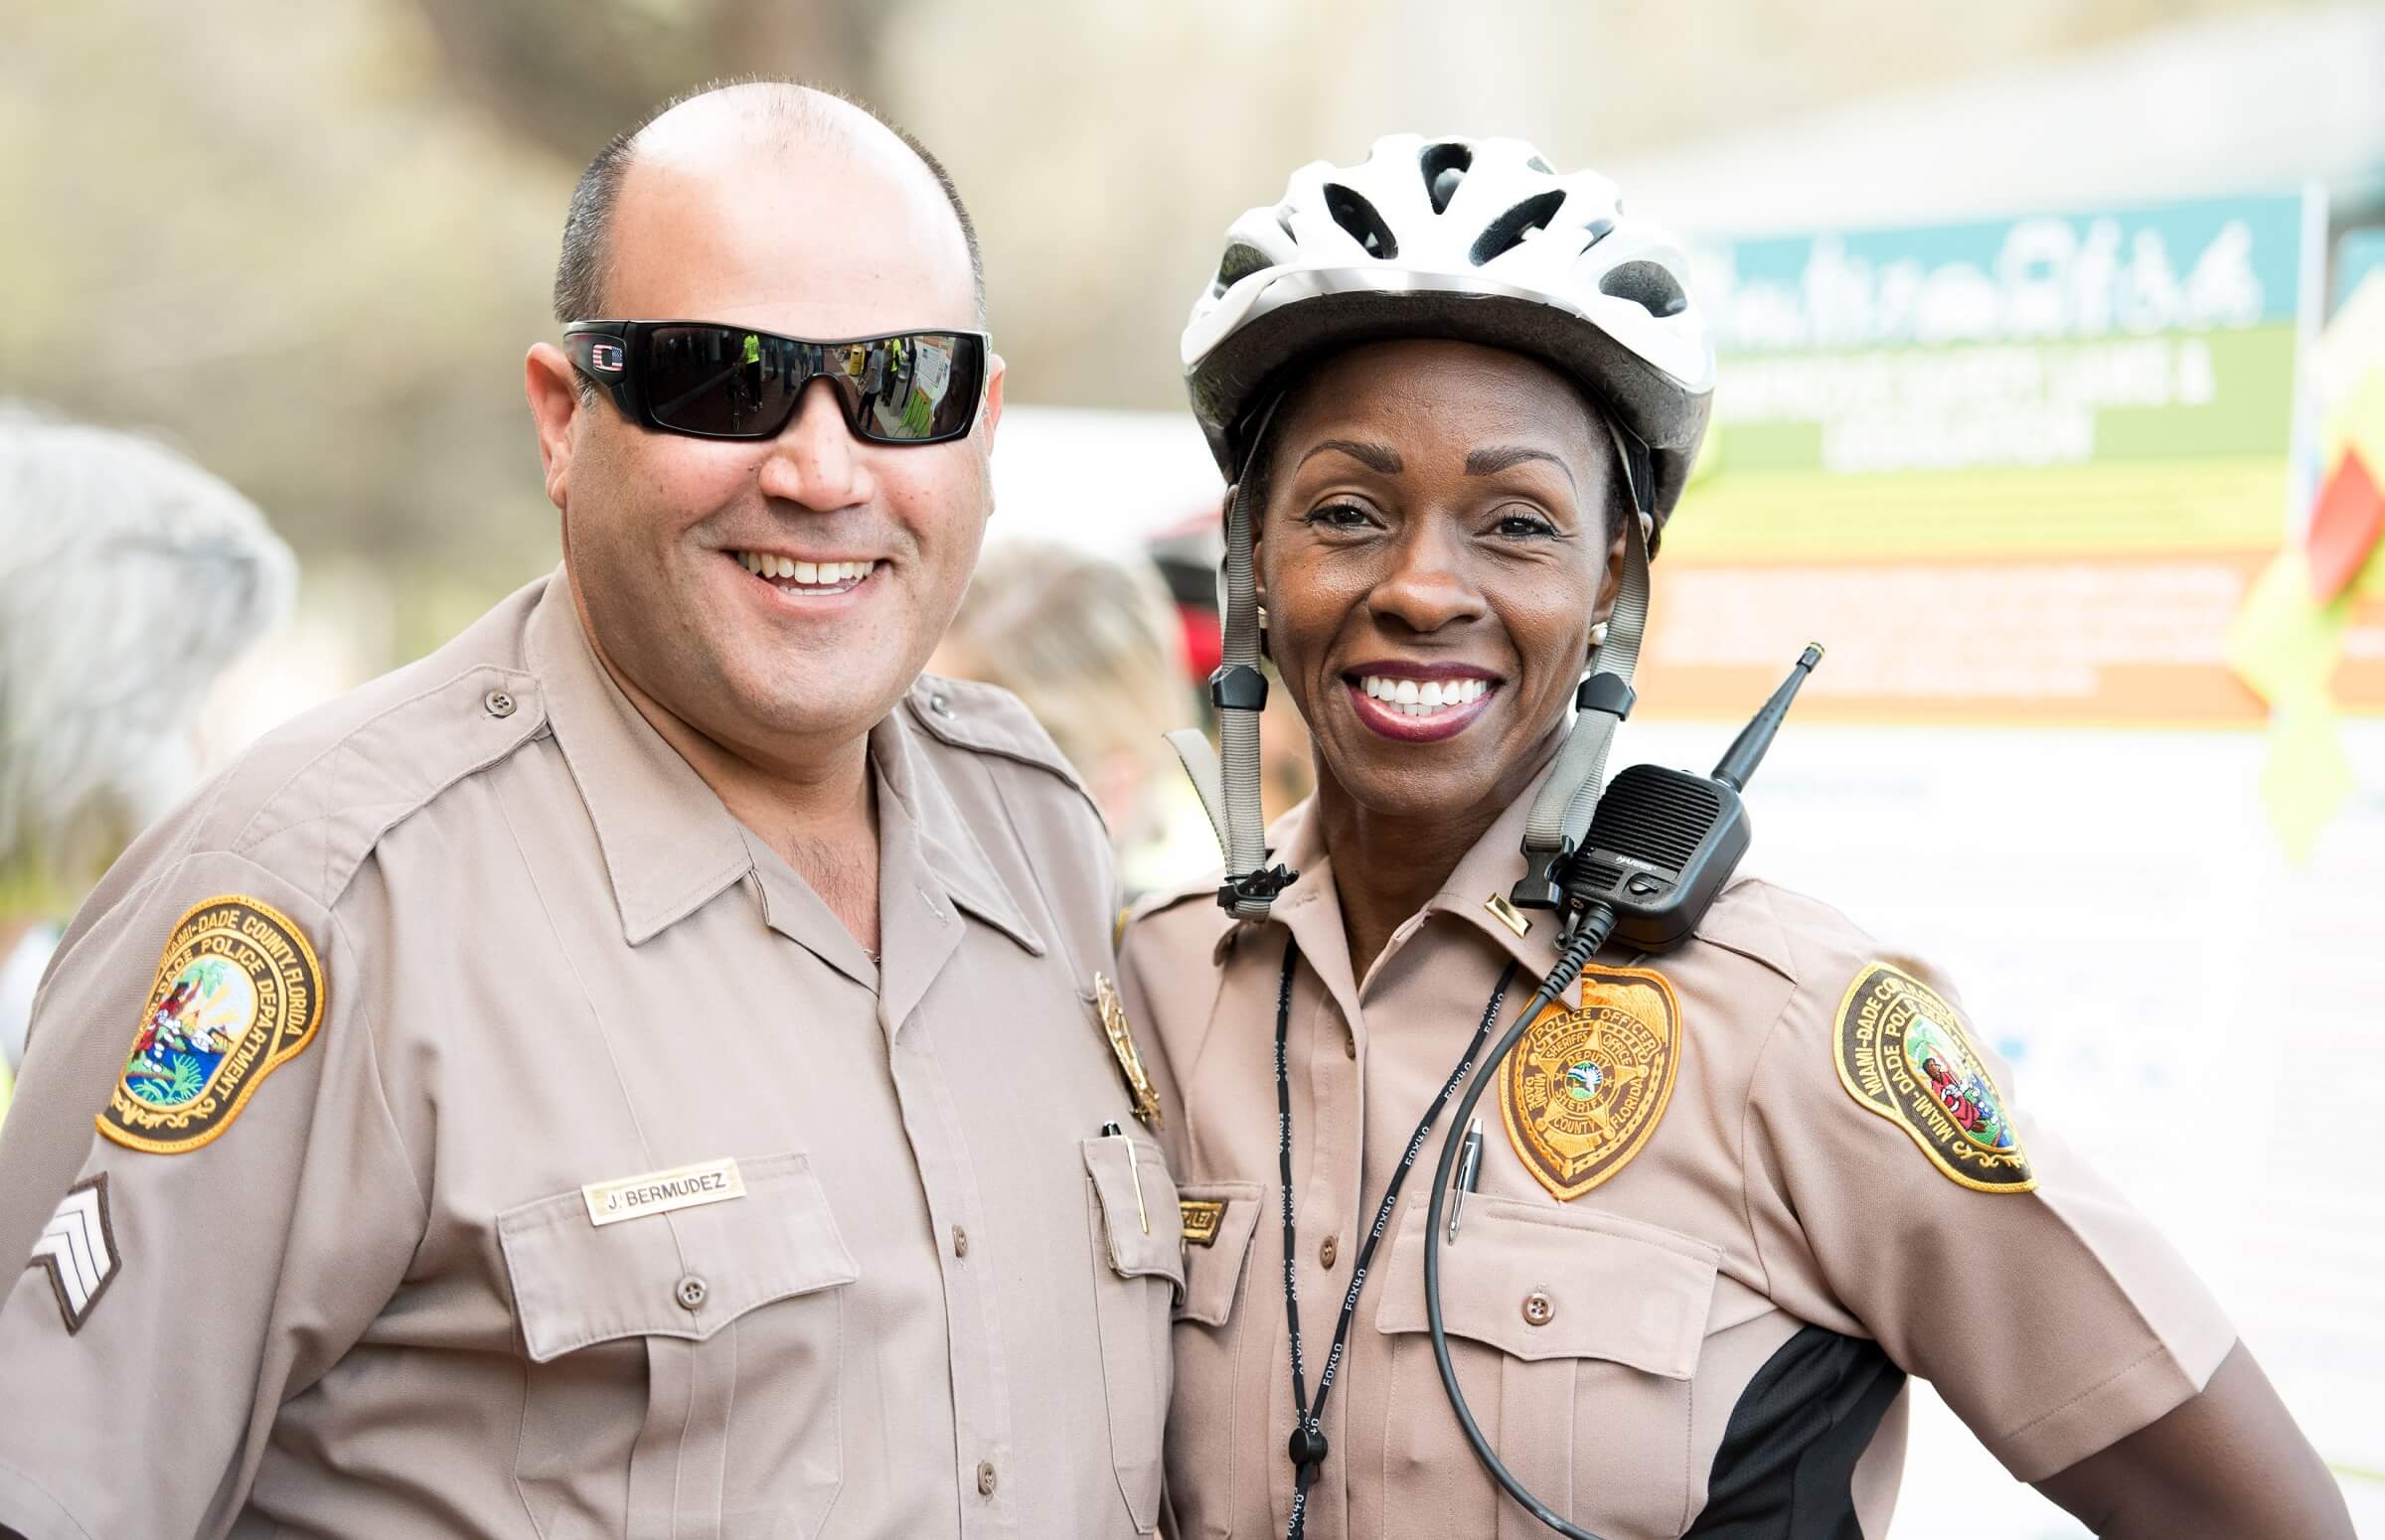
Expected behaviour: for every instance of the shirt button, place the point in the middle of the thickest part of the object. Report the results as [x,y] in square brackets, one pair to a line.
[1327,1252]
[943,708]
[498,703]
[1539,1309]
[960,1241]
[691,1293]
[984,1479]
[1350,1044]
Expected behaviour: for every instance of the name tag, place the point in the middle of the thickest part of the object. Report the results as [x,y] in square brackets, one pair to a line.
[1201,1219]
[659,1192]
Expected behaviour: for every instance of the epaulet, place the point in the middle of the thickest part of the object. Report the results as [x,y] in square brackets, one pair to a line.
[987,720]
[1160,899]
[1170,908]
[314,796]
[1755,919]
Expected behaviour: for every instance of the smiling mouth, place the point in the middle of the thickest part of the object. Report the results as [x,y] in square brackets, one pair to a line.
[1406,709]
[814,578]
[1431,698]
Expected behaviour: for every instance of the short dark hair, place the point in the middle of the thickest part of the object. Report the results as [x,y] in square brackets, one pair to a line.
[580,266]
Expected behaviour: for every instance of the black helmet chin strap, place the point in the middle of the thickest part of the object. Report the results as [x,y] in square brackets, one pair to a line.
[1231,794]
[1563,811]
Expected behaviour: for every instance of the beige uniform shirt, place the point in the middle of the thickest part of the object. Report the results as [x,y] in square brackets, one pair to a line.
[1711,1334]
[431,1277]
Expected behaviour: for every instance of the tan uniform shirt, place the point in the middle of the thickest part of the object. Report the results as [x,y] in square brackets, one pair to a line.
[377,1300]
[1715,1329]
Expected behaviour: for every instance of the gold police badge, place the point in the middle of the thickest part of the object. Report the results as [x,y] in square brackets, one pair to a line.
[237,994]
[1583,1089]
[1903,1055]
[1121,1044]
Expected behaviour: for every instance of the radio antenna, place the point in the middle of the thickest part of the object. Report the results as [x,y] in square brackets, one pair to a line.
[1739,762]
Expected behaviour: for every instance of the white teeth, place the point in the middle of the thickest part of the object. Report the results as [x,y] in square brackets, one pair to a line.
[805,574]
[1410,698]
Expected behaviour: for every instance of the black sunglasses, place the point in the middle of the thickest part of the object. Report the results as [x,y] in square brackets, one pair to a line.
[709,381]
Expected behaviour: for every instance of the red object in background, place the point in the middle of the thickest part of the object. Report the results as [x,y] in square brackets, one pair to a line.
[2345,526]
[1205,641]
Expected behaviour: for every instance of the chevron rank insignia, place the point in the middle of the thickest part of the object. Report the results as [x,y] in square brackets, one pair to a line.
[77,1249]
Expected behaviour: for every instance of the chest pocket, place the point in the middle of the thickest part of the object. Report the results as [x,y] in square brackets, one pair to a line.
[1138,1275]
[1211,1319]
[1576,1336]
[643,1334]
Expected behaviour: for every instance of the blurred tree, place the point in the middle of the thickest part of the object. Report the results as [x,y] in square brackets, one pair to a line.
[567,75]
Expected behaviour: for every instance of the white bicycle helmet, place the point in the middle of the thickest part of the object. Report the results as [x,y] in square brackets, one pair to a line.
[1475,239]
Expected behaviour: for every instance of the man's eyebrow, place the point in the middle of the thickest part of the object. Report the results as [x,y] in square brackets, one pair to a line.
[1379,458]
[1497,458]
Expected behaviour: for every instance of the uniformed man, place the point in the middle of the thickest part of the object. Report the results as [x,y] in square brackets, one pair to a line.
[641,1069]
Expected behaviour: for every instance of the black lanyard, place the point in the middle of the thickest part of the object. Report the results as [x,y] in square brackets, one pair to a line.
[1307,1448]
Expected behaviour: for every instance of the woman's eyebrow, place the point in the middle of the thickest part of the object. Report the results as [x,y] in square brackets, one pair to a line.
[1498,457]
[1379,458]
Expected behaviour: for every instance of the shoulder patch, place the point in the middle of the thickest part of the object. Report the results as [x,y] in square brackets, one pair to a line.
[1584,1089]
[237,994]
[1903,1055]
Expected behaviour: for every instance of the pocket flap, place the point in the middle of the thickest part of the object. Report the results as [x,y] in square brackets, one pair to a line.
[1138,1208]
[1537,1281]
[686,1273]
[1213,1268]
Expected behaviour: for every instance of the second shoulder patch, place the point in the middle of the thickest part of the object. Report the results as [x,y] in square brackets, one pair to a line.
[1903,1055]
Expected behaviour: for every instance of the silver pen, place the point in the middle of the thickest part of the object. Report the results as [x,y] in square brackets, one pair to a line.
[1469,1160]
[1134,1173]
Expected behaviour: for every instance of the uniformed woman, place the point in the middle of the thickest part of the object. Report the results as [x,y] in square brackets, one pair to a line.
[1727,1196]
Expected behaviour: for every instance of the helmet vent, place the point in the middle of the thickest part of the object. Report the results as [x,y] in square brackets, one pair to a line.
[1542,166]
[1360,219]
[1241,260]
[1509,229]
[1445,166]
[1648,285]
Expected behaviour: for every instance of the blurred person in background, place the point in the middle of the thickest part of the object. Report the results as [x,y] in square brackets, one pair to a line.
[1091,647]
[1189,558]
[130,579]
[641,1068]
[1734,1192]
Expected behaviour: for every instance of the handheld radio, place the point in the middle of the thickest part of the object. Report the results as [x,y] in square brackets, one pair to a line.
[1662,844]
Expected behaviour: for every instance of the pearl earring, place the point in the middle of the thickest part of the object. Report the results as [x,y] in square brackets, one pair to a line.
[1598,636]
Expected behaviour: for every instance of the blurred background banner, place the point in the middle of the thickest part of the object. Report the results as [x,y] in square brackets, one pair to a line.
[2027,467]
